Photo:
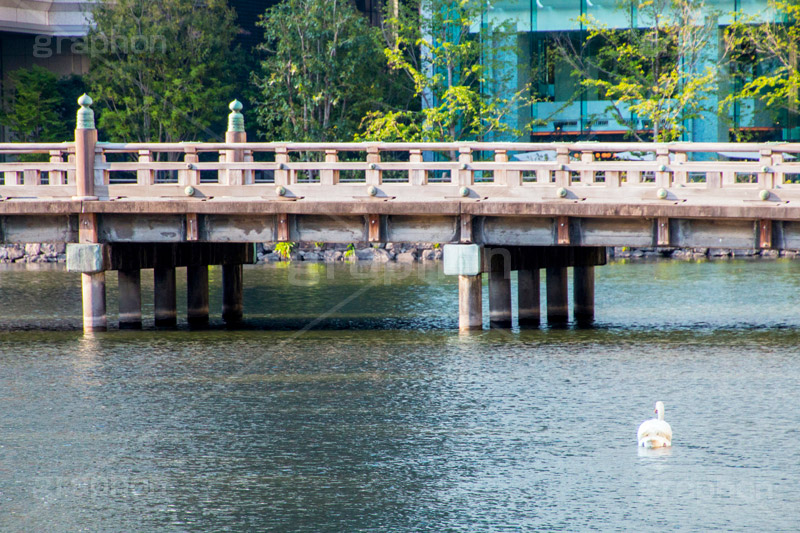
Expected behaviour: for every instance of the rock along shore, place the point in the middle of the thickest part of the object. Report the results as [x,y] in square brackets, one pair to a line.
[390,252]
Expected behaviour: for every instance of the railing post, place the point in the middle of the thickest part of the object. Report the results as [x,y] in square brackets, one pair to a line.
[465,174]
[235,134]
[373,175]
[93,284]
[662,176]
[85,142]
[562,175]
[766,179]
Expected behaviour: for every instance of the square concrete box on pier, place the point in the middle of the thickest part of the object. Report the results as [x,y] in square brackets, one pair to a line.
[462,259]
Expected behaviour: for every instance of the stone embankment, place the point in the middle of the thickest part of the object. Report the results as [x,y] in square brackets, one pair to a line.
[696,253]
[381,253]
[33,253]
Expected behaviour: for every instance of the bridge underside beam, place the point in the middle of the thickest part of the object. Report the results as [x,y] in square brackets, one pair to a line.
[521,230]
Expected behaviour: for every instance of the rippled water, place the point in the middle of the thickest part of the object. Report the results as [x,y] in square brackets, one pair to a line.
[349,403]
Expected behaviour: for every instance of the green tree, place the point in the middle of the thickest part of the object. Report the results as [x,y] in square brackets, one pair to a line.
[321,71]
[161,70]
[657,69]
[465,81]
[765,60]
[32,112]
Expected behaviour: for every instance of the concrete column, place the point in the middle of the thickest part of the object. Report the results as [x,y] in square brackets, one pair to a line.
[232,293]
[528,297]
[130,299]
[197,295]
[165,302]
[93,291]
[557,298]
[499,291]
[470,300]
[583,293]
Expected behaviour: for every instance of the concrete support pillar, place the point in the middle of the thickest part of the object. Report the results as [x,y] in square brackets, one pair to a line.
[557,298]
[197,295]
[232,293]
[165,302]
[470,301]
[93,291]
[130,299]
[583,293]
[499,291]
[528,297]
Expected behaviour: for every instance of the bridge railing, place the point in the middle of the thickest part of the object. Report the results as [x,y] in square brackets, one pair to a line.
[37,170]
[415,172]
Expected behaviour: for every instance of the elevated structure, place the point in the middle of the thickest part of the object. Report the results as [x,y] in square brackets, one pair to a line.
[132,206]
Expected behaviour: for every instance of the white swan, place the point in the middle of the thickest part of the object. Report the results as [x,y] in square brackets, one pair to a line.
[655,433]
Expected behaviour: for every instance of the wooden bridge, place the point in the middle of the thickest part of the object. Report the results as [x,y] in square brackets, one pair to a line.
[502,206]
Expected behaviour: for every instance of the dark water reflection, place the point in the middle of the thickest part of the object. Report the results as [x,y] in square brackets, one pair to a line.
[384,419]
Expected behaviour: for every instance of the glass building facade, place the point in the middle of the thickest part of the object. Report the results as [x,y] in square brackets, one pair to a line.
[569,112]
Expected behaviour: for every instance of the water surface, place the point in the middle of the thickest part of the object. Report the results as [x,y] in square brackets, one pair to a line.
[348,402]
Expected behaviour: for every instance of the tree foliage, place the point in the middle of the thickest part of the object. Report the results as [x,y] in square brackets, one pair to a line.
[40,106]
[657,69]
[765,58]
[463,79]
[161,70]
[321,71]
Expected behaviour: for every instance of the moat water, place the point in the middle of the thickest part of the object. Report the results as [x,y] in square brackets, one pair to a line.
[349,402]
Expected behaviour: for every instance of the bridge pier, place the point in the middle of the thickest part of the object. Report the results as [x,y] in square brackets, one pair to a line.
[583,294]
[528,304]
[499,288]
[165,300]
[232,293]
[130,299]
[557,295]
[470,302]
[93,292]
[197,295]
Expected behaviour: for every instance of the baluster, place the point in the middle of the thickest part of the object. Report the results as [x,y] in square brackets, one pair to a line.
[587,176]
[416,177]
[330,176]
[680,177]
[31,177]
[373,176]
[466,177]
[511,178]
[56,177]
[145,176]
[778,176]
[249,175]
[613,178]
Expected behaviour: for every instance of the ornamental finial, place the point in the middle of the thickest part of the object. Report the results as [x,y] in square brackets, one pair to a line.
[235,119]
[85,119]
